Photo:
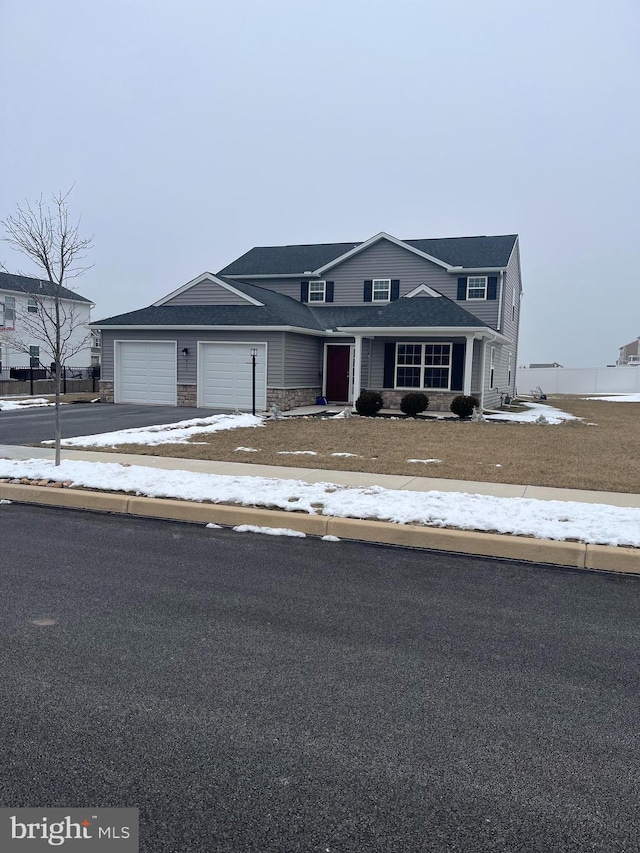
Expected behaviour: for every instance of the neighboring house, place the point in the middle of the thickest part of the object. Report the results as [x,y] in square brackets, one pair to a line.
[96,347]
[551,364]
[440,315]
[20,344]
[629,354]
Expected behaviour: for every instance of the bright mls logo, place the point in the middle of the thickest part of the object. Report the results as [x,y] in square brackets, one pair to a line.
[85,830]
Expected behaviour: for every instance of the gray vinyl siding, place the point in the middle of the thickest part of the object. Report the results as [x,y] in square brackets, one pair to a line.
[365,373]
[377,358]
[187,365]
[207,293]
[302,361]
[501,384]
[512,284]
[386,260]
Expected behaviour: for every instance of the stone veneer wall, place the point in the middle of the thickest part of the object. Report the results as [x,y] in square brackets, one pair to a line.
[290,398]
[187,395]
[105,390]
[439,401]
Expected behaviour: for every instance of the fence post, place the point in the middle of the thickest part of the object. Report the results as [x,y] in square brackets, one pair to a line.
[31,380]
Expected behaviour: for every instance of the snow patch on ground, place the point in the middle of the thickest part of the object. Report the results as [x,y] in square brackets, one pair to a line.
[297,453]
[246,449]
[270,531]
[435,461]
[354,455]
[27,403]
[617,398]
[330,538]
[213,526]
[593,523]
[178,433]
[3,501]
[551,414]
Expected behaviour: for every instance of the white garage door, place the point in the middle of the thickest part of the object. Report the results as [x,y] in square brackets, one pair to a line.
[146,372]
[224,376]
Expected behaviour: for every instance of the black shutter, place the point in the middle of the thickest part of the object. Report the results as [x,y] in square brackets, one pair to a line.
[304,291]
[492,287]
[328,296]
[395,288]
[368,288]
[389,365]
[462,288]
[457,367]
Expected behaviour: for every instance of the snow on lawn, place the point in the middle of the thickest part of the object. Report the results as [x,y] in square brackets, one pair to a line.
[617,398]
[26,403]
[178,433]
[297,453]
[246,449]
[551,414]
[354,455]
[595,523]
[435,461]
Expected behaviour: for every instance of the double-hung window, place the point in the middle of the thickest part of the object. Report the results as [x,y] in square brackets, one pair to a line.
[477,287]
[381,290]
[317,291]
[8,312]
[32,306]
[34,356]
[423,365]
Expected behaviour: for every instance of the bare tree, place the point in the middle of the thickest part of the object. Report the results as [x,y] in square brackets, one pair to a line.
[45,234]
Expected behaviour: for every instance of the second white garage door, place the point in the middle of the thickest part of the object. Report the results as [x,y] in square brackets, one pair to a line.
[224,376]
[145,372]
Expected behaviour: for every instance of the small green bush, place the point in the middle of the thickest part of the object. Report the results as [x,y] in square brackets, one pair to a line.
[413,403]
[463,406]
[369,403]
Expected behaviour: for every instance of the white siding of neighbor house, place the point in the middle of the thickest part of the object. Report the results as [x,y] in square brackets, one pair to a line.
[386,260]
[207,293]
[189,339]
[11,340]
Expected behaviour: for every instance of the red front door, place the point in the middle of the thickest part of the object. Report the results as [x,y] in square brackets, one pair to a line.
[338,359]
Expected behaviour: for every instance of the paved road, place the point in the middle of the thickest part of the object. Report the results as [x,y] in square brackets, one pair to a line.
[258,694]
[34,425]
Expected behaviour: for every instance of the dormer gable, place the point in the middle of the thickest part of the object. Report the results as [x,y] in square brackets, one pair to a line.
[208,289]
[422,290]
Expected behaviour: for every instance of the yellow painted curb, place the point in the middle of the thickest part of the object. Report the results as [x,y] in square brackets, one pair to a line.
[73,498]
[463,541]
[227,515]
[608,558]
[571,554]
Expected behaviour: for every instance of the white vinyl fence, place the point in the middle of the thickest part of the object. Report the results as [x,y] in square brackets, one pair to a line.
[579,380]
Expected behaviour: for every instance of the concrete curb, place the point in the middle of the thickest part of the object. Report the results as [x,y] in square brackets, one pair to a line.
[570,554]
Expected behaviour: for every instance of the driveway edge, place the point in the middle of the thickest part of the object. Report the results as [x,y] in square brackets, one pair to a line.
[528,549]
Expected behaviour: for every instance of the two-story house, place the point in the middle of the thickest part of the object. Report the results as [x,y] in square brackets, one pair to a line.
[439,315]
[24,305]
[629,354]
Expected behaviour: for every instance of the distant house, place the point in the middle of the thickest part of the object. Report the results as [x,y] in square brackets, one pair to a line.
[629,354]
[20,344]
[439,315]
[551,364]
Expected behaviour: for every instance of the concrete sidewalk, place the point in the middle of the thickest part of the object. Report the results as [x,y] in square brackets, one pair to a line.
[317,475]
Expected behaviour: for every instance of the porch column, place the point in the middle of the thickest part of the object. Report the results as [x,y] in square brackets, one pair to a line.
[357,367]
[468,365]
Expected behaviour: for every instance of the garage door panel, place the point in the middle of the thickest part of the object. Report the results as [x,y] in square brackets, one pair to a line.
[147,372]
[225,376]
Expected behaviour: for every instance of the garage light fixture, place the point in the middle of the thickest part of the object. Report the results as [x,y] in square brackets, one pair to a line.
[185,351]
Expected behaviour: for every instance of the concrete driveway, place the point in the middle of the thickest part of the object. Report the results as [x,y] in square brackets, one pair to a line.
[32,426]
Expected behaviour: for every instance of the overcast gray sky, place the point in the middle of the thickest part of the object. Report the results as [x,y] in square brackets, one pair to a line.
[197,129]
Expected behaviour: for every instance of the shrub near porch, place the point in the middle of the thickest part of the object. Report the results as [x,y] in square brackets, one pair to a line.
[574,454]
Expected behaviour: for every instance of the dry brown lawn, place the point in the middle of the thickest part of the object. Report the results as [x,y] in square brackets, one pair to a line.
[569,455]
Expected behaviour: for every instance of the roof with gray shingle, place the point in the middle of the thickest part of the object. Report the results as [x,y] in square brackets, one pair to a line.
[471,252]
[280,310]
[37,286]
